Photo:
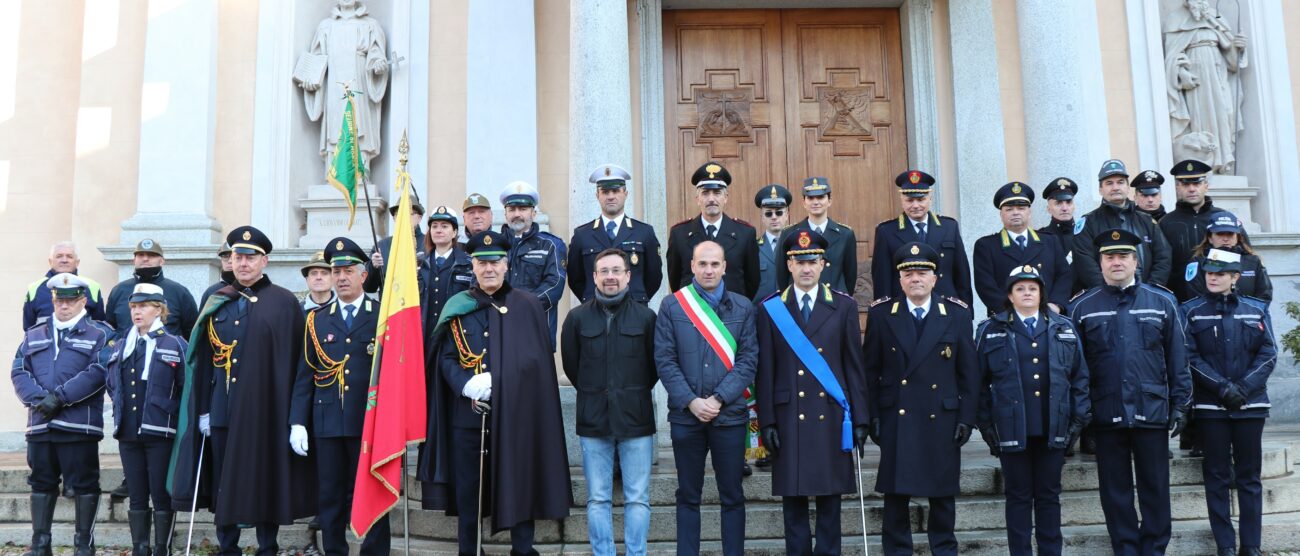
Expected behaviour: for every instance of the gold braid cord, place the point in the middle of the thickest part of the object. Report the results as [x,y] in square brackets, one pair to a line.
[325,371]
[221,351]
[468,359]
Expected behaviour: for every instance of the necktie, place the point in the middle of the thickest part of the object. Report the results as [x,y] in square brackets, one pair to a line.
[347,315]
[920,232]
[609,229]
[918,319]
[817,229]
[437,262]
[1021,242]
[243,299]
[63,334]
[807,307]
[1029,324]
[711,230]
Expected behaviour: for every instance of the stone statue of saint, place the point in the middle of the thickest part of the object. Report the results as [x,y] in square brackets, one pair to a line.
[349,48]
[1203,60]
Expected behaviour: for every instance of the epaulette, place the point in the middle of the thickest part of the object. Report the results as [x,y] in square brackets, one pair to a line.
[1159,287]
[837,292]
[743,223]
[1079,293]
[762,238]
[879,300]
[684,221]
[1254,302]
[1193,303]
[843,225]
[1162,292]
[958,302]
[771,295]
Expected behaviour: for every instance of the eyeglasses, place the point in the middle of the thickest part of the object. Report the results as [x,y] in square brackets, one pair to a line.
[610,271]
[771,213]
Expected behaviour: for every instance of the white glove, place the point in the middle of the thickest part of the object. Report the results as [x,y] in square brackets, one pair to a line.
[298,439]
[478,387]
[204,427]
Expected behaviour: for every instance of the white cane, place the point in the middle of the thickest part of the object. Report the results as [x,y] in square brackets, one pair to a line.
[862,504]
[194,502]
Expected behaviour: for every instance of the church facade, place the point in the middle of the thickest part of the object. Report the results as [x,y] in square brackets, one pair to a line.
[178,119]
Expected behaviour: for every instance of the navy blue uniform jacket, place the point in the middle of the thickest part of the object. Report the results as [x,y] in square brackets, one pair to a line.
[332,402]
[942,233]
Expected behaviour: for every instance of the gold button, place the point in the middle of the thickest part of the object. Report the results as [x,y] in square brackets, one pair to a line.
[132,371]
[941,275]
[800,416]
[902,412]
[234,379]
[1033,345]
[931,416]
[1035,360]
[236,323]
[800,372]
[132,383]
[133,396]
[800,394]
[1035,377]
[828,264]
[819,350]
[904,382]
[485,333]
[821,417]
[347,371]
[233,361]
[346,388]
[134,408]
[347,340]
[893,349]
[1036,394]
[934,386]
[942,255]
[823,394]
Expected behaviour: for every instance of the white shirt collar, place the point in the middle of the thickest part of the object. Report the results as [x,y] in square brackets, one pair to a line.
[771,239]
[717,223]
[799,293]
[356,303]
[822,226]
[1014,235]
[444,254]
[149,343]
[617,220]
[925,308]
[1024,316]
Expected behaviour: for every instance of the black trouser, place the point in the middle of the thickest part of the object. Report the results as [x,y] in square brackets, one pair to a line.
[896,529]
[465,469]
[798,538]
[228,535]
[1033,488]
[691,444]
[336,469]
[1233,453]
[1121,454]
[144,462]
[58,454]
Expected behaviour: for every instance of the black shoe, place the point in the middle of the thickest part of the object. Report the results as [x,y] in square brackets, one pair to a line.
[67,491]
[1230,551]
[139,520]
[84,539]
[42,517]
[1250,551]
[1088,444]
[1196,452]
[120,492]
[763,462]
[162,533]
[747,471]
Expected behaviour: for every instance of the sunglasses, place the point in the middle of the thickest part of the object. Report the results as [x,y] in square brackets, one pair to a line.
[771,213]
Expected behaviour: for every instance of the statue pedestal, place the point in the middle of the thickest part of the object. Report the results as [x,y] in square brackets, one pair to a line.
[1234,193]
[327,217]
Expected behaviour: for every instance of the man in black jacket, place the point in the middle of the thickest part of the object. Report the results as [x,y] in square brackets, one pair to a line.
[1117,211]
[1186,226]
[149,261]
[607,347]
[737,238]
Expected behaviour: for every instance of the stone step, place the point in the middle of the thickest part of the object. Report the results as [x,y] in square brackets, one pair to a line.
[1281,534]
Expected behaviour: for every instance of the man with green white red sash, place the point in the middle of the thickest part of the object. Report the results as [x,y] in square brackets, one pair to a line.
[812,394]
[706,353]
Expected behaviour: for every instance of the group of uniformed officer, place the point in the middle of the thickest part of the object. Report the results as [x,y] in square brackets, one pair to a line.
[922,381]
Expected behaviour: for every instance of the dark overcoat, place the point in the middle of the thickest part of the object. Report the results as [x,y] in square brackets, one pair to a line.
[920,388]
[996,255]
[941,233]
[811,461]
[331,403]
[739,245]
[634,237]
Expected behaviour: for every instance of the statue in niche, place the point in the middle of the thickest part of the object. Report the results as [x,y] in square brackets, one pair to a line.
[1203,61]
[349,48]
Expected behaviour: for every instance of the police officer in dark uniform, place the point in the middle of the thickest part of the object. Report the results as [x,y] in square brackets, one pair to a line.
[1141,389]
[841,256]
[1231,351]
[1033,404]
[773,201]
[149,260]
[1187,226]
[1146,194]
[737,237]
[446,271]
[38,305]
[58,375]
[614,229]
[1226,233]
[919,224]
[144,380]
[1015,246]
[337,354]
[536,259]
[923,380]
[1117,211]
[817,416]
[1059,195]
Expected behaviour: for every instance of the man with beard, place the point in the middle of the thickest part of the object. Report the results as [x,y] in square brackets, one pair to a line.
[227,274]
[774,202]
[495,404]
[38,305]
[736,236]
[615,230]
[149,261]
[1117,211]
[239,376]
[536,257]
[919,224]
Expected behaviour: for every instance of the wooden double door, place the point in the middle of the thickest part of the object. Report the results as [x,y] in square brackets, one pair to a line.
[777,96]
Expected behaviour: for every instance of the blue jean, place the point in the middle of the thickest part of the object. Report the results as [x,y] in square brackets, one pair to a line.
[635,456]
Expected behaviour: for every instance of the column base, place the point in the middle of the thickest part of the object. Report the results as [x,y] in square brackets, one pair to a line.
[327,217]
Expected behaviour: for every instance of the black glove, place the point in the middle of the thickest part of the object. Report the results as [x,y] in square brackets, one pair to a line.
[771,440]
[1232,396]
[990,436]
[49,405]
[1177,422]
[1076,430]
[961,434]
[860,438]
[874,433]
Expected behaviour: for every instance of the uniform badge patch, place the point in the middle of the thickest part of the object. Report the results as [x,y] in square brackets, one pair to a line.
[1078,224]
[1190,274]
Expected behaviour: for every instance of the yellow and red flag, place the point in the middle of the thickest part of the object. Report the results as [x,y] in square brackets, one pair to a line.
[395,404]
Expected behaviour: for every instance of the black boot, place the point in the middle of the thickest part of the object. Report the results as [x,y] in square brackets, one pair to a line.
[42,517]
[120,492]
[1229,551]
[162,533]
[1250,551]
[84,540]
[1088,443]
[139,520]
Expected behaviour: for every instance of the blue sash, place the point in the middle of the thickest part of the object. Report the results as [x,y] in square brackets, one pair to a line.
[795,338]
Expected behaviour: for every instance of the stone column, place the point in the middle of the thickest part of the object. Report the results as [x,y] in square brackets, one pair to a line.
[177,139]
[1066,132]
[501,100]
[600,105]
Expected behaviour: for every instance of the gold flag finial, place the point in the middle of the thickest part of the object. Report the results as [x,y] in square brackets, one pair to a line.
[403,147]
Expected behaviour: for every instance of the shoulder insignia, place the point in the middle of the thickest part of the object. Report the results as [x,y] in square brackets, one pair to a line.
[957,302]
[785,294]
[743,223]
[1255,302]
[627,221]
[333,307]
[943,309]
[1190,273]
[683,222]
[938,220]
[827,295]
[762,238]
[1079,293]
[368,309]
[878,301]
[595,224]
[894,310]
[1159,287]
[902,222]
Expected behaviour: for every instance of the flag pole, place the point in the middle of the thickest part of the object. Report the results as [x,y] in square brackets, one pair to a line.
[404,147]
[347,94]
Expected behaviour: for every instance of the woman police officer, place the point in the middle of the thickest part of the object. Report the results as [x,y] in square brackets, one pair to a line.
[1225,232]
[144,381]
[1033,403]
[1231,350]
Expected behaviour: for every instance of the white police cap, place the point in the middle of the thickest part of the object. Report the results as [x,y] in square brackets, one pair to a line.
[519,193]
[610,176]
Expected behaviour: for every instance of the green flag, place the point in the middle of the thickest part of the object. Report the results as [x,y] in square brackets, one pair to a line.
[347,172]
